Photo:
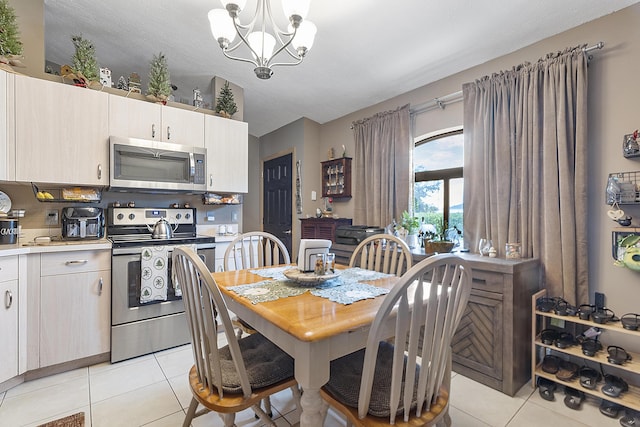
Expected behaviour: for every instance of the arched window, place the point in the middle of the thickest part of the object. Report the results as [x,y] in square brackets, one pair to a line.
[438,189]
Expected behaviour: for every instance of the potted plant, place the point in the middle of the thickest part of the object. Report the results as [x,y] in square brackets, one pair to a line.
[438,241]
[410,224]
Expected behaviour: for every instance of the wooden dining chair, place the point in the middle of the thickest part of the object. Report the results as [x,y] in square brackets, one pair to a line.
[252,250]
[255,249]
[406,385]
[384,253]
[237,376]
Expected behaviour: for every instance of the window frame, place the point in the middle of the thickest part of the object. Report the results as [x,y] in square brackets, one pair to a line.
[445,175]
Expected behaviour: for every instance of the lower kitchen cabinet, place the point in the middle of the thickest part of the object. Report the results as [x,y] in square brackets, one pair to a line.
[9,349]
[221,248]
[75,305]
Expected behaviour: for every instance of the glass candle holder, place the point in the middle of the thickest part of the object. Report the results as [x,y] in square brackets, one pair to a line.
[512,251]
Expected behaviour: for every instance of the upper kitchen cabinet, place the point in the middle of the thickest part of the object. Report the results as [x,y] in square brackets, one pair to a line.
[61,132]
[7,135]
[133,118]
[227,144]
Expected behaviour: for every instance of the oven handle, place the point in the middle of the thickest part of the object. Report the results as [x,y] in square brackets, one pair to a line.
[77,262]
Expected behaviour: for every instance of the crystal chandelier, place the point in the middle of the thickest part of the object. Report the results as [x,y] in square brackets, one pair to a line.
[262,34]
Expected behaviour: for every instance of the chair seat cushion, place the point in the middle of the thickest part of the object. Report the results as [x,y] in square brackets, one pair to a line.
[346,375]
[265,363]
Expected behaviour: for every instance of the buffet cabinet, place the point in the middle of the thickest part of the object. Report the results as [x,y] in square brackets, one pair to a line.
[492,344]
[322,228]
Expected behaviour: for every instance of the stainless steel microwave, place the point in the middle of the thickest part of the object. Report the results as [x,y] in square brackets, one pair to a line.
[156,166]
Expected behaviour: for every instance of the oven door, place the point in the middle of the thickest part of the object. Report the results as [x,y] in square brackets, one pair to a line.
[125,292]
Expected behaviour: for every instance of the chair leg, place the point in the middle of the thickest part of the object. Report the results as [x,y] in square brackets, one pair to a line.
[228,419]
[190,413]
[267,406]
[295,391]
[239,333]
[263,416]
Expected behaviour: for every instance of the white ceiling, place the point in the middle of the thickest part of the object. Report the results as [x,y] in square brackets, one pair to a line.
[366,51]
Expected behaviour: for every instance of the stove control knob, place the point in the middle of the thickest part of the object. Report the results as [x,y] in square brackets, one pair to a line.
[120,216]
[132,216]
[187,216]
[178,216]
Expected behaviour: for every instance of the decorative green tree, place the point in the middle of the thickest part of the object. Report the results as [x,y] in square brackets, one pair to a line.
[159,84]
[122,83]
[84,59]
[225,104]
[9,34]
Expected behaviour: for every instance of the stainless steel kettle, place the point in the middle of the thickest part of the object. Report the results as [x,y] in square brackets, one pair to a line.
[162,229]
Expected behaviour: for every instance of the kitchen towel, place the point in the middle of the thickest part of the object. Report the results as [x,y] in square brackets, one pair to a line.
[153,279]
[177,290]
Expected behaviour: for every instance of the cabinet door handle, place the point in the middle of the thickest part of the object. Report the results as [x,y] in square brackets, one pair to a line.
[153,131]
[211,180]
[168,133]
[100,286]
[77,262]
[8,299]
[99,171]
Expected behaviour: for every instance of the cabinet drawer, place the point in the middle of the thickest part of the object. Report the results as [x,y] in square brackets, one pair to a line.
[487,281]
[9,268]
[74,262]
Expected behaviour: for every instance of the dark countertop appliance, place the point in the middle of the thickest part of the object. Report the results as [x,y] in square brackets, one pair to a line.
[354,234]
[82,223]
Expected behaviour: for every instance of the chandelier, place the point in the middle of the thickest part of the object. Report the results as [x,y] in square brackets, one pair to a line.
[262,34]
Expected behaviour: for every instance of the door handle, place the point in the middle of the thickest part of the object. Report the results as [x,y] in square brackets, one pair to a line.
[78,262]
[8,299]
[287,232]
[99,171]
[100,286]
[168,133]
[210,180]
[153,131]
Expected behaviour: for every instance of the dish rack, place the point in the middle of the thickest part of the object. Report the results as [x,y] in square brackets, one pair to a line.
[623,188]
[67,194]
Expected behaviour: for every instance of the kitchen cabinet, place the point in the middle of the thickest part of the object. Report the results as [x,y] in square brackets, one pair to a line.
[492,344]
[7,127]
[628,371]
[227,144]
[75,308]
[133,118]
[321,228]
[9,320]
[61,133]
[336,178]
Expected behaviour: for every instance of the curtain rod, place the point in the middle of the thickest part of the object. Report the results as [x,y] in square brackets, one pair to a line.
[442,101]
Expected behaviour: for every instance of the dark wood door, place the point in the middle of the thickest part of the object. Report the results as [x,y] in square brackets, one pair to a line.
[278,180]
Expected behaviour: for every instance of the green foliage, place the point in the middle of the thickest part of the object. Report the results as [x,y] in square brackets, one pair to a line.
[409,223]
[9,34]
[159,83]
[84,59]
[225,102]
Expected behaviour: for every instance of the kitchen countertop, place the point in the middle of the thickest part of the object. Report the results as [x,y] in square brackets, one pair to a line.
[28,247]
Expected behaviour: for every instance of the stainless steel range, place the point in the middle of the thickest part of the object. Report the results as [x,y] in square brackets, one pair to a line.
[141,325]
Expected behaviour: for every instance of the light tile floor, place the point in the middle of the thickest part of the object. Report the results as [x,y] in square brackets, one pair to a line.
[152,391]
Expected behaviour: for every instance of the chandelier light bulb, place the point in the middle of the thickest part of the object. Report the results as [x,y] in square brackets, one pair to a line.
[305,35]
[222,27]
[262,47]
[297,8]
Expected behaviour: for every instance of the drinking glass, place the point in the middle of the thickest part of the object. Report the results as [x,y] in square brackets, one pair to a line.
[329,263]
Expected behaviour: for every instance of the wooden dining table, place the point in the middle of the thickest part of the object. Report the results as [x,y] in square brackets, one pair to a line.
[312,329]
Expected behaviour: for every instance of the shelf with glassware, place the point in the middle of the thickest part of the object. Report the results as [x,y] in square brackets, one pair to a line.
[336,178]
[627,370]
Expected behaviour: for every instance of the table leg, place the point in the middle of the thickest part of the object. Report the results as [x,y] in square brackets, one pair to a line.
[312,415]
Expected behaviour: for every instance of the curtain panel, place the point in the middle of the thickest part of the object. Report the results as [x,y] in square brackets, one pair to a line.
[382,167]
[525,150]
